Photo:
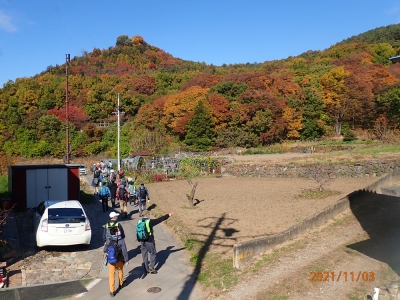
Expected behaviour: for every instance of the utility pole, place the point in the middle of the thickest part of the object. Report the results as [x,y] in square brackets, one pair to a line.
[118,113]
[67,155]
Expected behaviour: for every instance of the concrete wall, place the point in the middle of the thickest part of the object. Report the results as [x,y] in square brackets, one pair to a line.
[244,252]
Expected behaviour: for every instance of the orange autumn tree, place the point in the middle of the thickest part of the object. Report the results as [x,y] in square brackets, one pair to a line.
[180,106]
[151,113]
[220,110]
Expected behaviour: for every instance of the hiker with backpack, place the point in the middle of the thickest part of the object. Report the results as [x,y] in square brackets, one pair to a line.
[113,176]
[132,191]
[104,172]
[142,193]
[96,181]
[117,258]
[123,197]
[113,189]
[113,223]
[121,174]
[105,181]
[145,236]
[104,193]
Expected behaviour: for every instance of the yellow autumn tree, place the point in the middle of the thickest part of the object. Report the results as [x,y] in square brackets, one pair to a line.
[335,95]
[294,124]
[29,101]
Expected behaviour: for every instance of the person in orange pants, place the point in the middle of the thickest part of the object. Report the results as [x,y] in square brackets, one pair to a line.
[116,260]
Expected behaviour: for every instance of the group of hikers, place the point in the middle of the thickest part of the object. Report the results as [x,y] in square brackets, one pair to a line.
[117,253]
[112,185]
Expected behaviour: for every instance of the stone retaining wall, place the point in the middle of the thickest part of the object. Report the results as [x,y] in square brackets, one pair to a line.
[244,252]
[361,169]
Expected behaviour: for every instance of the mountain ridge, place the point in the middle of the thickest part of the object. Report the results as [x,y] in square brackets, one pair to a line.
[350,86]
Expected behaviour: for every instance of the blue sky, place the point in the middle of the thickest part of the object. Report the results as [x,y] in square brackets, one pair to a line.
[37,34]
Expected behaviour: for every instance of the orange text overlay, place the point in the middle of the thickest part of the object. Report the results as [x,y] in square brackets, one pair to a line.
[359,276]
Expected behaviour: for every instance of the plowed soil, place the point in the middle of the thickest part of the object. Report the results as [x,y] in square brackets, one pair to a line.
[245,208]
[361,243]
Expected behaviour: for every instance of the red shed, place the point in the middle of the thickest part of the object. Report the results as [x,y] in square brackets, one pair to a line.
[31,184]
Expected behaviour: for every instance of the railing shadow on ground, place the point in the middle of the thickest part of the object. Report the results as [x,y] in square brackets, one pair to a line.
[378,215]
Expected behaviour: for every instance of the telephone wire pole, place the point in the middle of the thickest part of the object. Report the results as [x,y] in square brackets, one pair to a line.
[68,150]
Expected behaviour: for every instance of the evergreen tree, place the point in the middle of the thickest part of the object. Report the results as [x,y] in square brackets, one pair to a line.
[200,131]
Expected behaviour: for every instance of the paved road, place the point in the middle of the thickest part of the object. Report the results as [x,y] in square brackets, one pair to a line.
[175,274]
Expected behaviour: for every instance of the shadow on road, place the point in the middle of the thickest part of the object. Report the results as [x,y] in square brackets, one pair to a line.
[134,252]
[379,216]
[163,255]
[134,274]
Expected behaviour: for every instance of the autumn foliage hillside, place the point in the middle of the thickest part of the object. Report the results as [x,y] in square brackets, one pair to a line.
[351,86]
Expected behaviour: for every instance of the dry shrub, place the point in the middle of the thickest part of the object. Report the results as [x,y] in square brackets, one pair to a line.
[5,162]
[386,132]
[364,135]
[391,137]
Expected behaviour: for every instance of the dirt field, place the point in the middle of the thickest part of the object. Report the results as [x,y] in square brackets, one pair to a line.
[245,208]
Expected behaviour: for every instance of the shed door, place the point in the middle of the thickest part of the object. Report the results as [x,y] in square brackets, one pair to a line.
[58,184]
[46,184]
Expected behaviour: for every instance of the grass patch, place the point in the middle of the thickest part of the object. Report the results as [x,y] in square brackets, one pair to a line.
[339,143]
[273,149]
[86,198]
[377,149]
[318,268]
[317,194]
[274,255]
[339,221]
[216,271]
[358,294]
[213,270]
[85,282]
[192,244]
[3,186]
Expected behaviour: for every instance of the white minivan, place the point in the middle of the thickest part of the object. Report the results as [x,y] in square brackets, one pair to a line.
[61,223]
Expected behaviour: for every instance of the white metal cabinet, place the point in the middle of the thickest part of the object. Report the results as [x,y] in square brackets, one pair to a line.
[46,184]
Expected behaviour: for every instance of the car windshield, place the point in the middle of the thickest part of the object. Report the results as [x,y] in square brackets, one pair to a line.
[66,215]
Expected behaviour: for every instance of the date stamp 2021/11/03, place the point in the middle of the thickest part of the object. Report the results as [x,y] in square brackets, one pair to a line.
[359,276]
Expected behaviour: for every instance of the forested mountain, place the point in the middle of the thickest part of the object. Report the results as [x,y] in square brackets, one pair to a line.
[385,34]
[170,103]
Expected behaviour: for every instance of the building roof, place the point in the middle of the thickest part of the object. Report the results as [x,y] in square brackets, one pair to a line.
[395,59]
[140,153]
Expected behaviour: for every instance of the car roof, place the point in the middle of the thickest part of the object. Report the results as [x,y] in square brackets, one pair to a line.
[63,204]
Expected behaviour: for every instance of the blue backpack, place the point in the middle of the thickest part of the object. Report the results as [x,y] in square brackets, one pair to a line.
[103,191]
[113,252]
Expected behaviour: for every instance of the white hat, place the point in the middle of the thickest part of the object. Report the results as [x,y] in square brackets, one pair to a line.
[113,214]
